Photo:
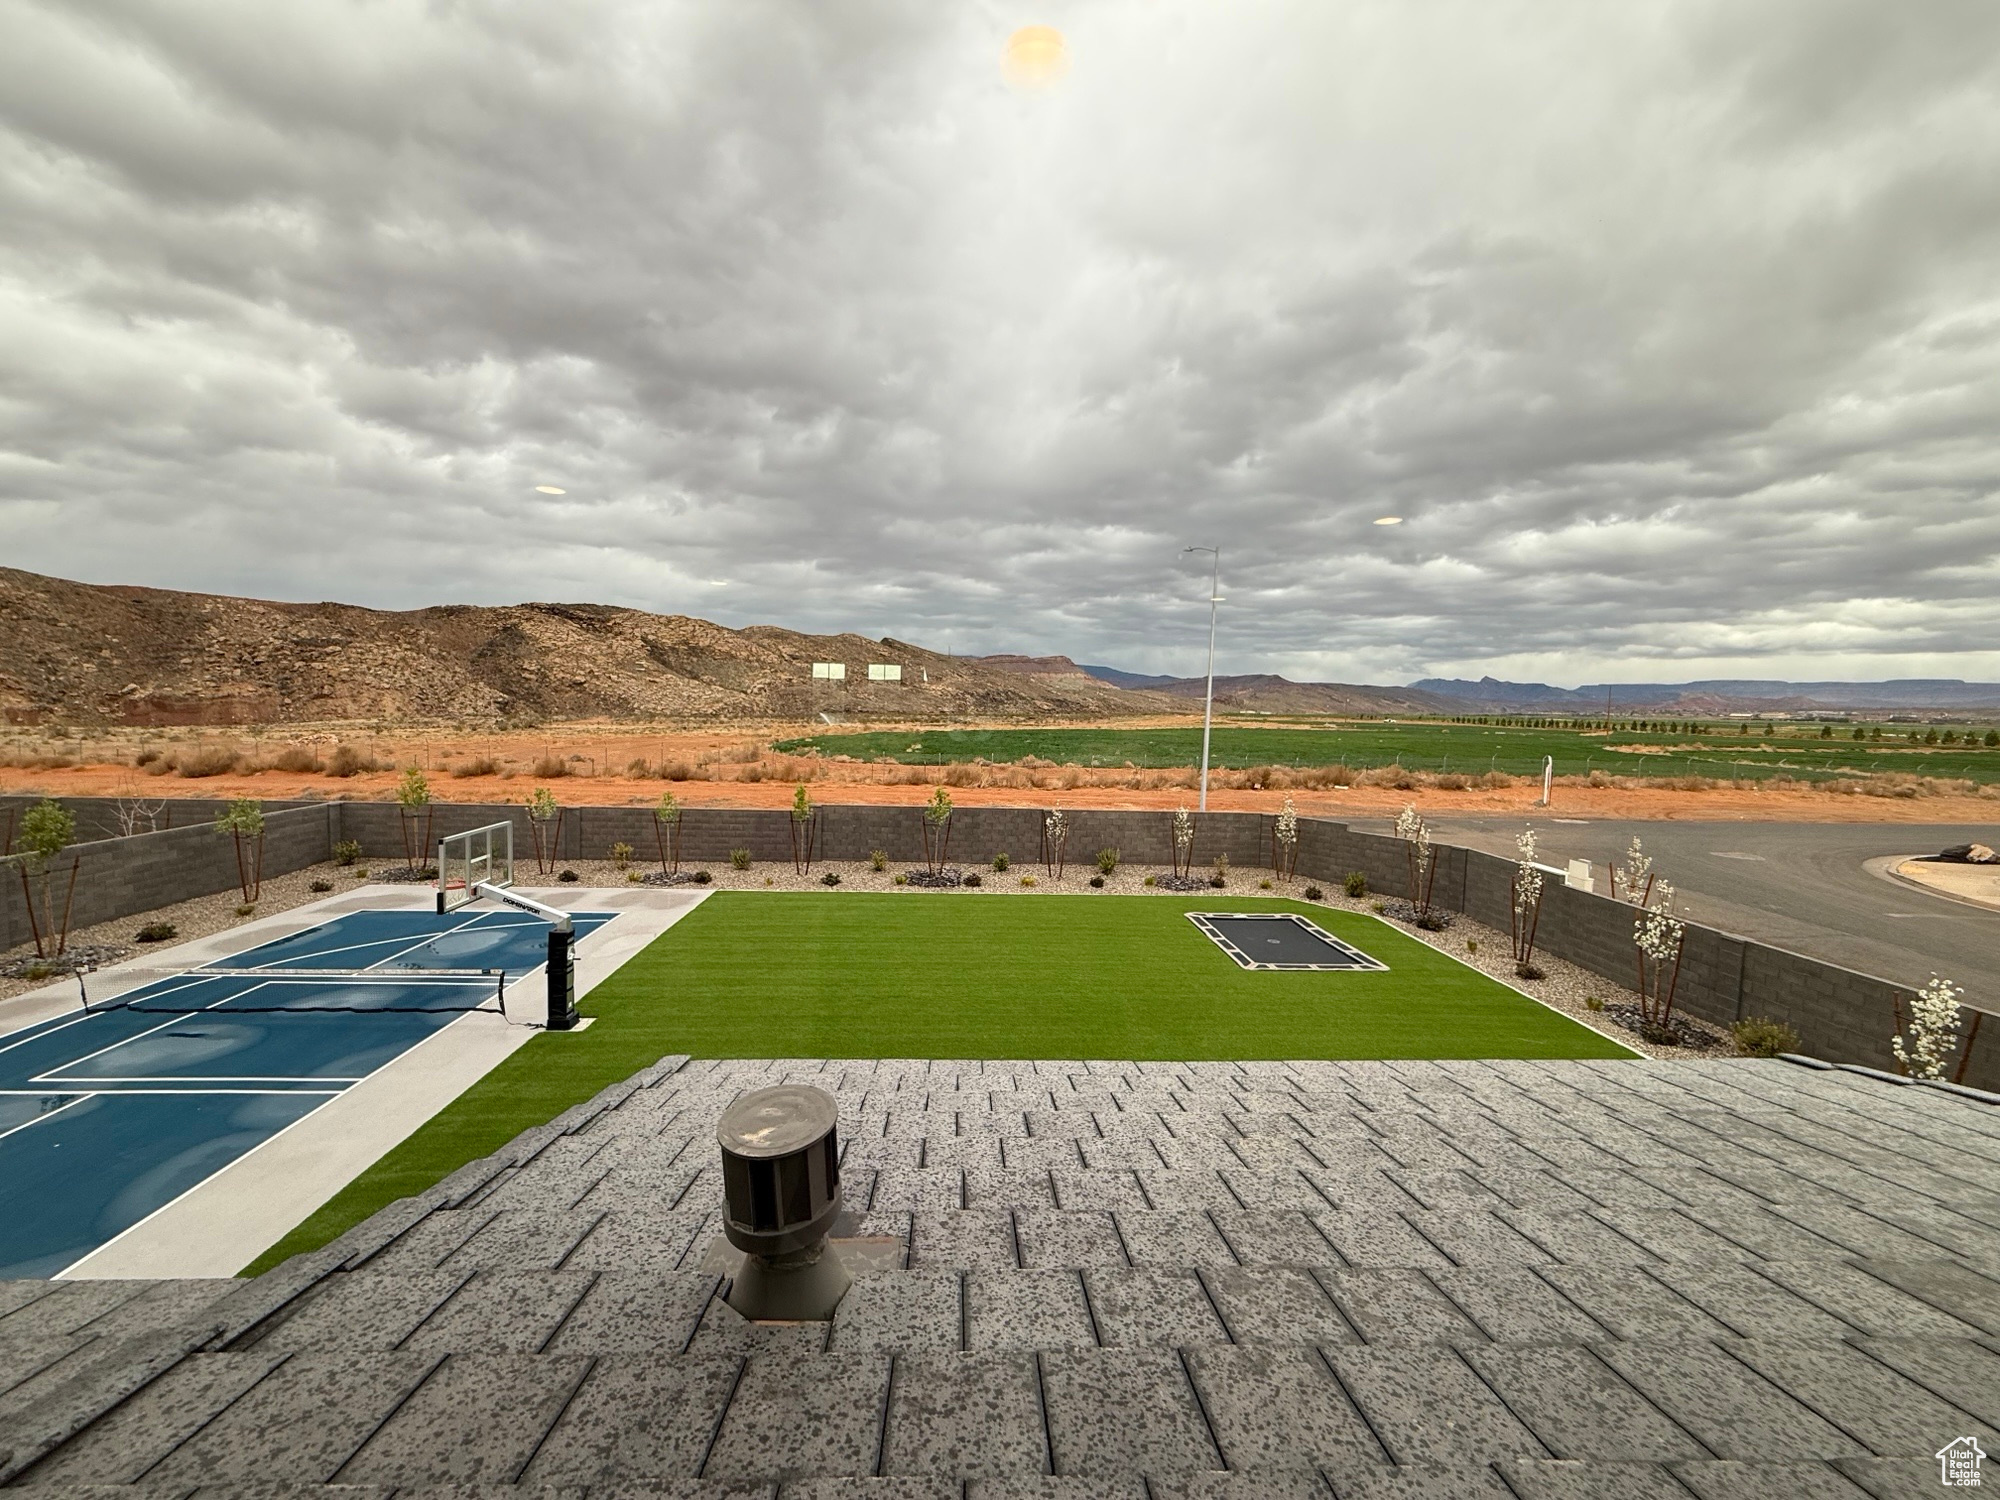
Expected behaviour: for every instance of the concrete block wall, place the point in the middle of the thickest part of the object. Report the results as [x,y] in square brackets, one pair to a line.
[120,877]
[1839,1014]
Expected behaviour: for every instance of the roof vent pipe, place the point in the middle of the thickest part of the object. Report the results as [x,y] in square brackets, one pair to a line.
[781,1194]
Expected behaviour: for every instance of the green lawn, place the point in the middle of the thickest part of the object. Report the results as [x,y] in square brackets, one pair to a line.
[1713,751]
[750,974]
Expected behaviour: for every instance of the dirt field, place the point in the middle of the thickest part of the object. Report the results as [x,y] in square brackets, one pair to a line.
[603,764]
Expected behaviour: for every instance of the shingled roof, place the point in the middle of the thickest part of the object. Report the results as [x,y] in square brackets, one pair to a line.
[1554,1280]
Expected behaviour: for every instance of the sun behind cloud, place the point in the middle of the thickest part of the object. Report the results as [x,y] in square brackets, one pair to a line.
[1036,57]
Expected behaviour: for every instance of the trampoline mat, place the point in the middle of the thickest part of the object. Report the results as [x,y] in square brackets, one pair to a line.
[1278,940]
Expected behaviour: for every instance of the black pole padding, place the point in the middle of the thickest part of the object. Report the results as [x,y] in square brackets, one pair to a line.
[562,982]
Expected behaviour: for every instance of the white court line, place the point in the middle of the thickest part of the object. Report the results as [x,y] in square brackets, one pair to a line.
[57,1078]
[136,1093]
[30,1124]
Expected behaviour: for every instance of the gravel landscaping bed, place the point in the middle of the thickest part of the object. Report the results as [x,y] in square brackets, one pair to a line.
[198,918]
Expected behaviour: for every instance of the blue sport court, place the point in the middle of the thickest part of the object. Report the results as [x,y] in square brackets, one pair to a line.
[109,1114]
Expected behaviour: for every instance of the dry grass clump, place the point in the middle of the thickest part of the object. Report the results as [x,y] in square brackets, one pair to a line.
[209,760]
[298,758]
[347,761]
[482,765]
[550,767]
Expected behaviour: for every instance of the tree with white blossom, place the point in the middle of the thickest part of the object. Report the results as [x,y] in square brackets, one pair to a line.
[1659,936]
[1633,880]
[1527,903]
[1422,859]
[1055,841]
[1285,842]
[1183,842]
[1932,1031]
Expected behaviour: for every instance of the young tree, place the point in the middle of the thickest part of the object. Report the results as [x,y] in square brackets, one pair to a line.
[1659,936]
[413,799]
[46,830]
[1932,1032]
[1633,880]
[1527,903]
[1422,859]
[1285,842]
[243,821]
[1183,843]
[805,829]
[937,830]
[545,828]
[1055,841]
[667,832]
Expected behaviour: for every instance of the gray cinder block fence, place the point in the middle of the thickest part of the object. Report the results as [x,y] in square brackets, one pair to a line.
[1839,1014]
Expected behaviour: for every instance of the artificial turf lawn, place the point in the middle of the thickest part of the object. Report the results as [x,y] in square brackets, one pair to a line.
[750,974]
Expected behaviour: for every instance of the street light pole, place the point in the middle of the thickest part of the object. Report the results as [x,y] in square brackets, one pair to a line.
[1208,701]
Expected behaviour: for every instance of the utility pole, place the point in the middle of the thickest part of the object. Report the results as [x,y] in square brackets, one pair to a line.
[1208,701]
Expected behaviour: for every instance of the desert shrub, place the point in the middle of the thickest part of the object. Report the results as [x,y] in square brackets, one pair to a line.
[38,972]
[1472,945]
[829,878]
[298,759]
[678,770]
[1097,882]
[878,859]
[569,877]
[1000,862]
[548,767]
[620,855]
[1107,860]
[145,757]
[480,765]
[637,768]
[348,761]
[1593,1003]
[702,877]
[1451,781]
[902,880]
[1314,893]
[320,887]
[209,760]
[1378,907]
[1356,883]
[739,859]
[971,880]
[247,909]
[1028,882]
[963,775]
[346,852]
[155,932]
[1529,971]
[1759,1036]
[1218,882]
[1151,881]
[1263,885]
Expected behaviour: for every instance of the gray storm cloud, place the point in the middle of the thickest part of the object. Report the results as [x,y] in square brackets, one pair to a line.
[1673,330]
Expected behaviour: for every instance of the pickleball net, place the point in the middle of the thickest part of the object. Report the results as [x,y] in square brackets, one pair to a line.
[383,991]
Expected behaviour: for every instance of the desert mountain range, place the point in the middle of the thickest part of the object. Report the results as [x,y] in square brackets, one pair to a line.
[98,654]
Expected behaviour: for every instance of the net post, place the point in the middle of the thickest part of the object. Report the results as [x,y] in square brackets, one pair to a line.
[562,982]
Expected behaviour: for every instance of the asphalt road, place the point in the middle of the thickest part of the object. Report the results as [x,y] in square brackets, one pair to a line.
[1800,886]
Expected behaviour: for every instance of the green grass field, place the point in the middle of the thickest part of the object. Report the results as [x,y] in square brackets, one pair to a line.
[875,975]
[1714,751]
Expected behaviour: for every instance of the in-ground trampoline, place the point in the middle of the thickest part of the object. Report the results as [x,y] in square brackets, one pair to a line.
[1278,940]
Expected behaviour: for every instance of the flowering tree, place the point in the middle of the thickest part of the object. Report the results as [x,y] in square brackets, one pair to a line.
[1659,936]
[1633,880]
[937,830]
[244,823]
[1527,903]
[46,830]
[1055,841]
[667,832]
[1183,842]
[413,797]
[805,829]
[1285,842]
[1422,859]
[545,827]
[1932,1032]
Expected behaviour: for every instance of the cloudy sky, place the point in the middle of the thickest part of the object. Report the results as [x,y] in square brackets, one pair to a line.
[1671,330]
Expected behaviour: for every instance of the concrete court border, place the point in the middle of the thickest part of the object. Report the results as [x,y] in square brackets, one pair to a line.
[224,1222]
